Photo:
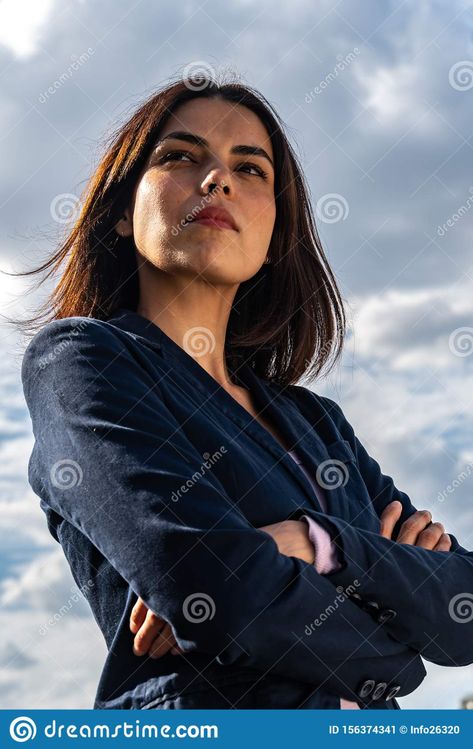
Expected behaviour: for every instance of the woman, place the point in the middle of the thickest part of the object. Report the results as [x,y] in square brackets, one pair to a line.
[169,431]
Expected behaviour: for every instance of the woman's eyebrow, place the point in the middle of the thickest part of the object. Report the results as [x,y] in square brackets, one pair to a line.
[198,140]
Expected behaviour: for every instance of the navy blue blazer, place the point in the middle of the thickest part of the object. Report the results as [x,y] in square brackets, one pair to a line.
[154,480]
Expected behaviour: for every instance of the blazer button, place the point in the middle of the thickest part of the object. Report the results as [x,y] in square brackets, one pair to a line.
[379,690]
[366,688]
[385,615]
[371,607]
[356,596]
[392,692]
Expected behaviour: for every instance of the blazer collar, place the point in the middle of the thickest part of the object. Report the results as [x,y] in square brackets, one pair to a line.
[269,398]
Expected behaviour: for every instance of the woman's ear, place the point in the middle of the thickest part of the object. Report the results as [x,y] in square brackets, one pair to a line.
[124,227]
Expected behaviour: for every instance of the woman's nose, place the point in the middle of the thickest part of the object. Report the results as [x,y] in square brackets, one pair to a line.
[216,180]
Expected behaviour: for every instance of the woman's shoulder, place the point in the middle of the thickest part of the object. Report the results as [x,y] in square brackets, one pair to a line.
[57,336]
[310,400]
[72,344]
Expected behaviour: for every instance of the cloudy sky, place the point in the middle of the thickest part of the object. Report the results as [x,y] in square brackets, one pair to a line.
[375,98]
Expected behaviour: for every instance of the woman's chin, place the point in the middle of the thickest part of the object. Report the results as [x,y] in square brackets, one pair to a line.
[216,269]
[211,254]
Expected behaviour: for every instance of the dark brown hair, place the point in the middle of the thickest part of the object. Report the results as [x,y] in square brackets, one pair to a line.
[287,320]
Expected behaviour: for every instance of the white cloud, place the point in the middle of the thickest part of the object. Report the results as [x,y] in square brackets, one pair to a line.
[411,329]
[391,92]
[21,24]
[58,670]
[45,584]
[403,390]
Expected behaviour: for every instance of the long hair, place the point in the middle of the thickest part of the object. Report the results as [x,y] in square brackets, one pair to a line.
[288,320]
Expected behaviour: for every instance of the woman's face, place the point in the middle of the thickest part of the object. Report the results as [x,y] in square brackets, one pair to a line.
[174,186]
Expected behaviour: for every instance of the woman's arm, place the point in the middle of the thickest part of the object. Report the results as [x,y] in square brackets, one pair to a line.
[294,538]
[154,636]
[430,592]
[97,410]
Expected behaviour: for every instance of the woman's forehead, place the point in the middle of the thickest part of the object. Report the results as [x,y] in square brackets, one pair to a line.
[218,121]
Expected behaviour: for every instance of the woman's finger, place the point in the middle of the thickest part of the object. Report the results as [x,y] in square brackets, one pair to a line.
[389,518]
[411,527]
[162,643]
[430,536]
[444,544]
[147,633]
[138,615]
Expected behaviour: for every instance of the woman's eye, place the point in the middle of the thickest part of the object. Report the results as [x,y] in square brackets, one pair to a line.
[261,172]
[171,155]
[174,156]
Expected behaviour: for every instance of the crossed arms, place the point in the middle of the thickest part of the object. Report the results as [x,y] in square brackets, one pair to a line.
[94,404]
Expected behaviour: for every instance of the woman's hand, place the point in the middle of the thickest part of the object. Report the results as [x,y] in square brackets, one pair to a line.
[152,634]
[292,538]
[418,529]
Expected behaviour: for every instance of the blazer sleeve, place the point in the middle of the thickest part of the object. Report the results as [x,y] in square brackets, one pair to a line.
[109,457]
[428,594]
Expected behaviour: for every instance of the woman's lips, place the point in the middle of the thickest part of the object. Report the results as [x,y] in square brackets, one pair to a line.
[215,222]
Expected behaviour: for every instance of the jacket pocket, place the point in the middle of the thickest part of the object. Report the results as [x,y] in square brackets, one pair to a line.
[341,450]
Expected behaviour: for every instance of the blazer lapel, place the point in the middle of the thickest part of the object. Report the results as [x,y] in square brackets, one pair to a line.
[304,438]
[267,397]
[280,410]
